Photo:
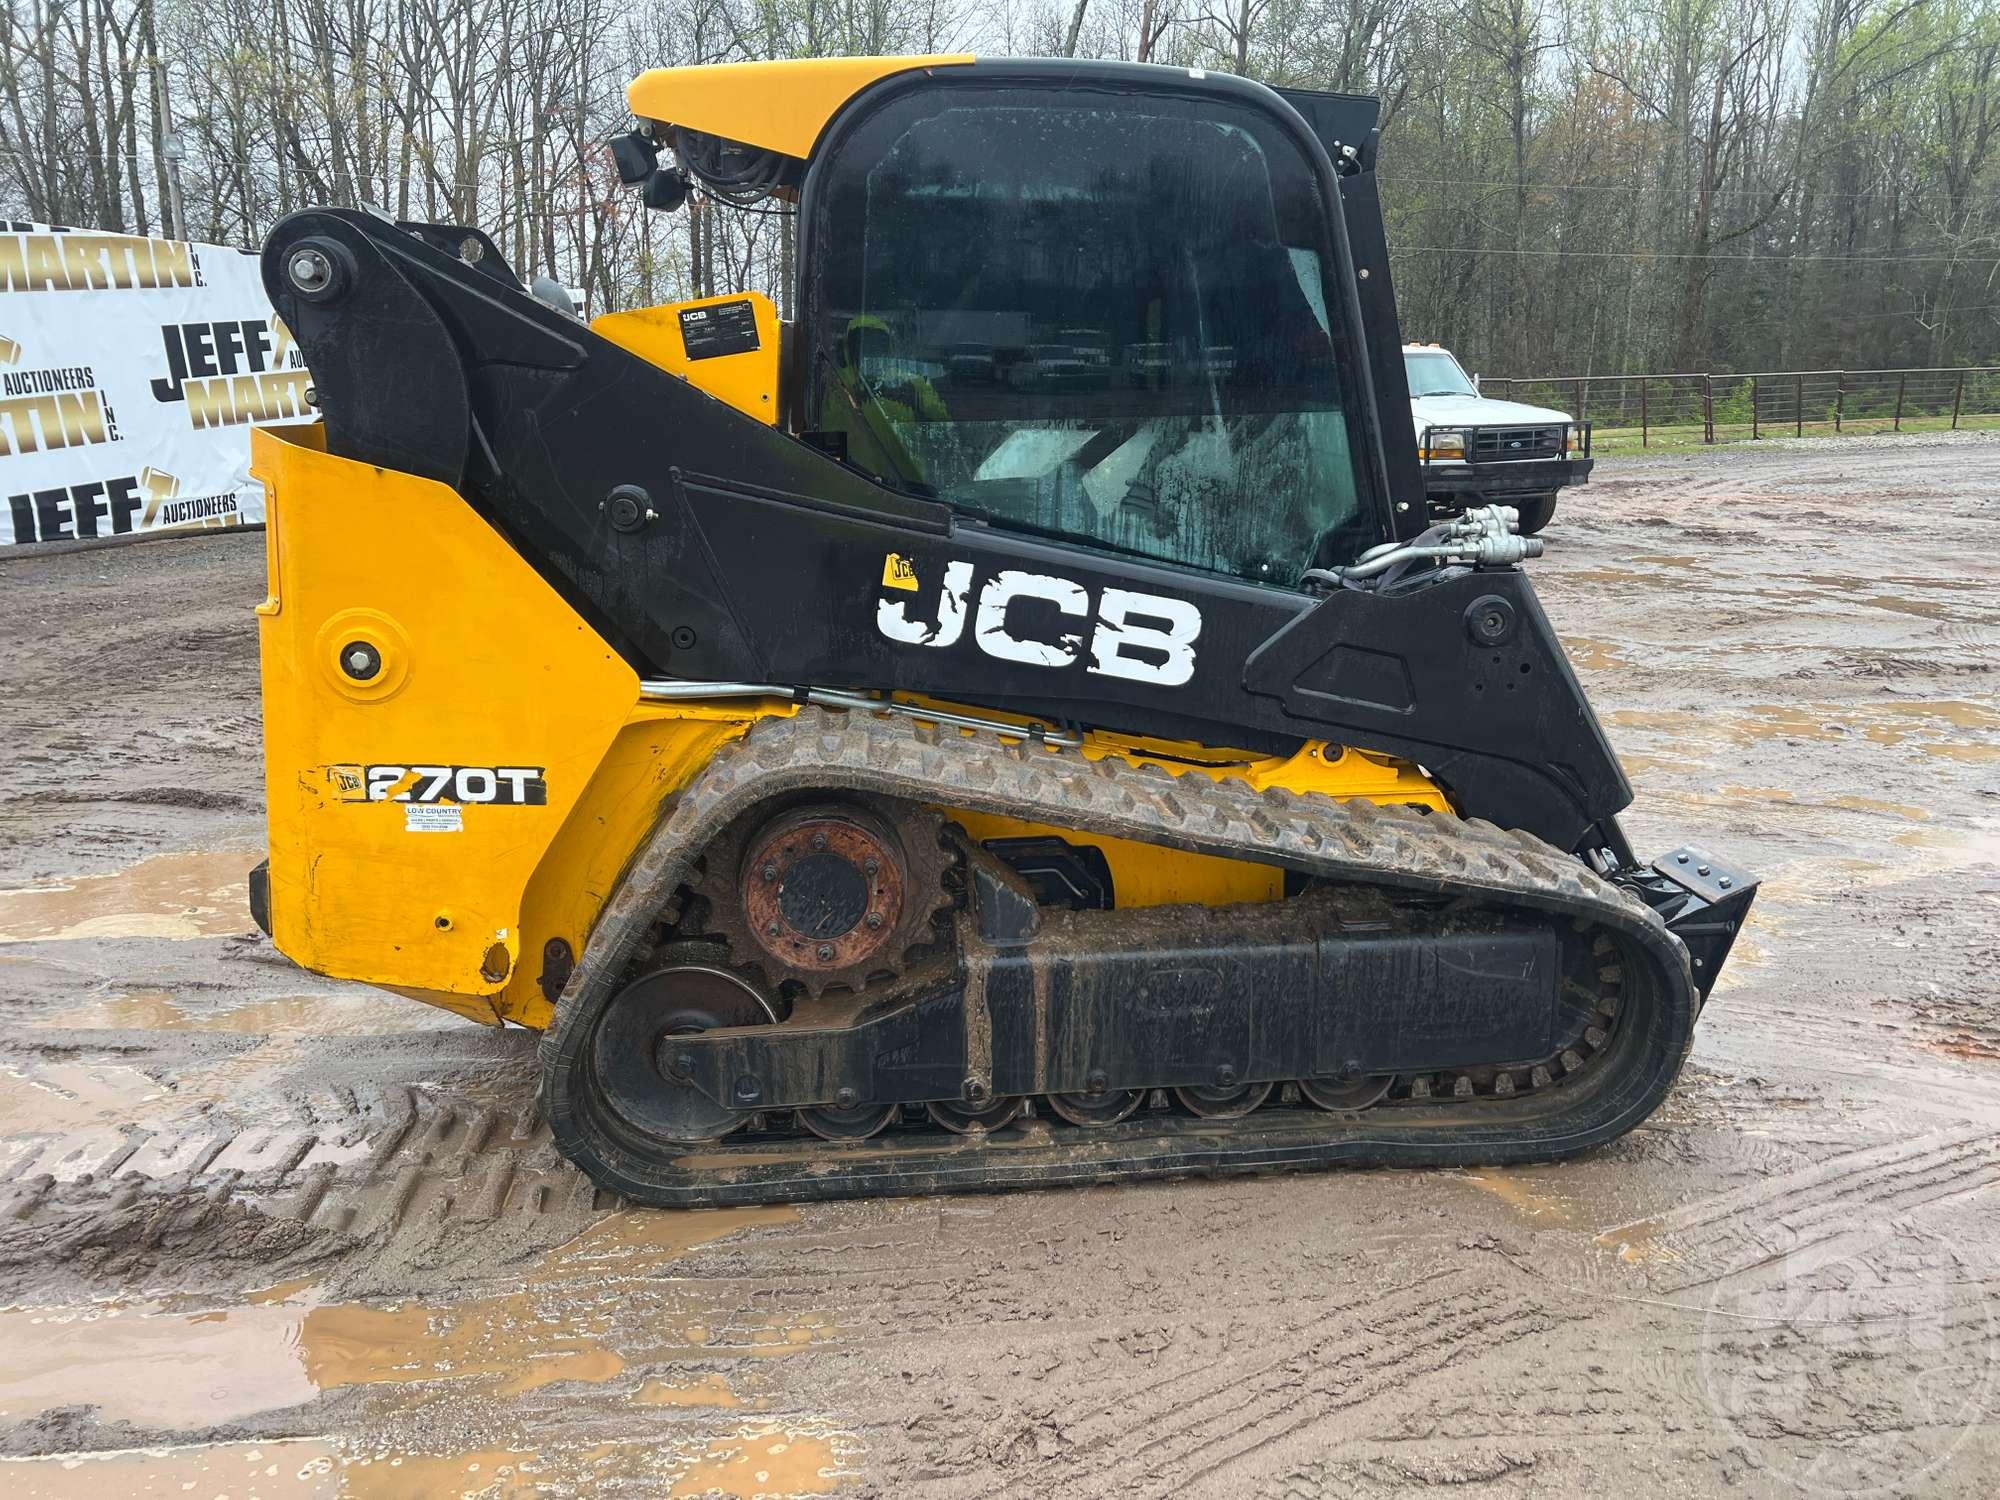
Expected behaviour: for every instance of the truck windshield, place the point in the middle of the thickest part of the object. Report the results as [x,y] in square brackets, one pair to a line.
[1091,315]
[1432,372]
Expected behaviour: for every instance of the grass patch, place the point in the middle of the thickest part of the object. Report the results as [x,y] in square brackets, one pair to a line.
[1609,442]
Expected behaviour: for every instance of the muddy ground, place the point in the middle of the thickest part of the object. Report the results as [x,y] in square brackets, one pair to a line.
[263,1234]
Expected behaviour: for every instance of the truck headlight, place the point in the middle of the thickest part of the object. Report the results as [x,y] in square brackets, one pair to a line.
[1444,445]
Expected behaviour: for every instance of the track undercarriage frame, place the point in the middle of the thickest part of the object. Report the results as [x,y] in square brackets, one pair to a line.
[1437,992]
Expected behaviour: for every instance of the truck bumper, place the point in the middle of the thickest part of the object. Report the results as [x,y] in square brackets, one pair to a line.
[1456,486]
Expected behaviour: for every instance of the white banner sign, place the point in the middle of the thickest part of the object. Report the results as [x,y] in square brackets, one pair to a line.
[130,372]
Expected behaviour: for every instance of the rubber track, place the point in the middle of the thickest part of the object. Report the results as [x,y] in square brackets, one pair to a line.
[1362,842]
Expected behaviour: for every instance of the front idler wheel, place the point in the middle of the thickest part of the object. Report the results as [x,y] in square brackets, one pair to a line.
[641,1074]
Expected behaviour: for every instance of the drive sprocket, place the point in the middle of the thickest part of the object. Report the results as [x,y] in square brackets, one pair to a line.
[827,895]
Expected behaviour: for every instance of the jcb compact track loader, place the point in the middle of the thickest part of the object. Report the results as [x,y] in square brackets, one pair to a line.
[1007,724]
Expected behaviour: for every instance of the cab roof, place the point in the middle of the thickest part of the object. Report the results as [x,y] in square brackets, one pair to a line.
[778,106]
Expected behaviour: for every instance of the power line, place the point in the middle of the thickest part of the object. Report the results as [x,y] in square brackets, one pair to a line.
[1777,258]
[1917,312]
[1503,184]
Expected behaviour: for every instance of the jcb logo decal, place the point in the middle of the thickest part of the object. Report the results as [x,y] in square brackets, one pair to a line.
[504,786]
[1041,620]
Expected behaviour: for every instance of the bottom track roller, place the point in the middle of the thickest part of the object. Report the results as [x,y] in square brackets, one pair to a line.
[1214,1102]
[1347,1093]
[1106,1107]
[963,1119]
[856,1122]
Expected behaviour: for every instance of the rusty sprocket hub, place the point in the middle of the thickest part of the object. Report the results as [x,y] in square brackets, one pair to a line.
[830,895]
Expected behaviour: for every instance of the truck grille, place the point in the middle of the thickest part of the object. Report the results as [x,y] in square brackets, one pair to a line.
[1491,445]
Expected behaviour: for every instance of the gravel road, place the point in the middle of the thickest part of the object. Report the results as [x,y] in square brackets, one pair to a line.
[266,1234]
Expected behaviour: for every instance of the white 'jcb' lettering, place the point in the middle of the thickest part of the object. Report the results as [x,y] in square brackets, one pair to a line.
[991,631]
[892,618]
[1123,647]
[1137,637]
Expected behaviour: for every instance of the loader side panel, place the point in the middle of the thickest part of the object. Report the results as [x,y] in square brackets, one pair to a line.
[432,715]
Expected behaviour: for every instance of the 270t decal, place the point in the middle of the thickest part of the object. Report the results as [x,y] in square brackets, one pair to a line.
[501,786]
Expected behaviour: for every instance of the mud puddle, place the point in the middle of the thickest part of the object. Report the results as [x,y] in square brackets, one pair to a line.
[1537,1196]
[168,896]
[354,1012]
[1596,655]
[307,1470]
[284,1469]
[605,1312]
[62,1096]
[1889,723]
[284,1346]
[150,1368]
[572,1318]
[768,1461]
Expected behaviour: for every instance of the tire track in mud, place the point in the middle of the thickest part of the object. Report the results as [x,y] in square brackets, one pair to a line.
[1737,1233]
[1182,1431]
[387,1178]
[1903,1075]
[412,1175]
[1190,1431]
[1743,1319]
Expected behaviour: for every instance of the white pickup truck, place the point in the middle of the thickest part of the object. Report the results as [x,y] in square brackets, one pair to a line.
[1476,451]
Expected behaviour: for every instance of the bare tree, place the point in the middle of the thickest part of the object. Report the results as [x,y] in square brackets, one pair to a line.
[1569,182]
